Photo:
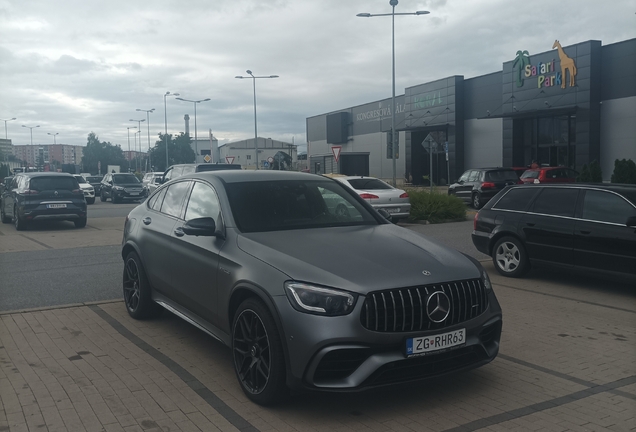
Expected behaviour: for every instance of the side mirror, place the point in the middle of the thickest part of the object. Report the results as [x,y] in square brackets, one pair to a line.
[204,226]
[631,222]
[385,214]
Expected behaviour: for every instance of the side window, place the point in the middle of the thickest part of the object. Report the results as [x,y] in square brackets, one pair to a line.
[203,203]
[473,176]
[172,203]
[516,199]
[157,199]
[556,201]
[464,177]
[606,207]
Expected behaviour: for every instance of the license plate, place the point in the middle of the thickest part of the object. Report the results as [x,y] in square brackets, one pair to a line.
[427,344]
[393,210]
[56,205]
[134,193]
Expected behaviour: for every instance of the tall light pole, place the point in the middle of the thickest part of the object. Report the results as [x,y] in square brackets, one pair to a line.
[5,126]
[53,135]
[196,142]
[30,127]
[393,3]
[249,72]
[148,123]
[129,128]
[138,124]
[165,115]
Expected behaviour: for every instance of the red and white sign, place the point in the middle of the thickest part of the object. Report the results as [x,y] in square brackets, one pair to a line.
[229,159]
[336,152]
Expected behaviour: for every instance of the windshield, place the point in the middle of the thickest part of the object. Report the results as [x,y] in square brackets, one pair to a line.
[368,183]
[294,204]
[125,178]
[80,179]
[94,179]
[530,174]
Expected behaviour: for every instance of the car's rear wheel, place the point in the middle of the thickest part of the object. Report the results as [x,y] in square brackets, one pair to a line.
[510,258]
[80,223]
[258,354]
[137,291]
[3,216]
[20,224]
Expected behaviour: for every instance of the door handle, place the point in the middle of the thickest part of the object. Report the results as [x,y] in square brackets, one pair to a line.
[179,232]
[586,232]
[146,220]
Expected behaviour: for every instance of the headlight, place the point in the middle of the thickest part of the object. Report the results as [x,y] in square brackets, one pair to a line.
[118,188]
[486,280]
[319,301]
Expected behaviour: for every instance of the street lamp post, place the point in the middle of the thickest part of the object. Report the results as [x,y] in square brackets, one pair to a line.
[30,127]
[5,126]
[249,72]
[53,135]
[393,3]
[139,124]
[129,128]
[148,123]
[165,115]
[196,142]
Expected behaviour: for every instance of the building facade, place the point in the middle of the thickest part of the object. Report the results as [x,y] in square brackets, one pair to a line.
[244,153]
[59,154]
[567,106]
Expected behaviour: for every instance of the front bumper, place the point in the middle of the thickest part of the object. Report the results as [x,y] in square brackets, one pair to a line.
[128,196]
[339,354]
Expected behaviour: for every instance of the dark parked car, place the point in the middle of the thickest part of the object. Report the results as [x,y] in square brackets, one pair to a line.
[549,175]
[587,227]
[175,171]
[96,182]
[478,186]
[305,297]
[43,196]
[5,183]
[121,187]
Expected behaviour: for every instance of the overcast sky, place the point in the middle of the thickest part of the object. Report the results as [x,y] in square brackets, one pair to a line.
[76,66]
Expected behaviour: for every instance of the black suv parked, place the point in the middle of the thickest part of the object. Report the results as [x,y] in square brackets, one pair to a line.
[121,187]
[175,171]
[478,186]
[42,196]
[587,227]
[96,182]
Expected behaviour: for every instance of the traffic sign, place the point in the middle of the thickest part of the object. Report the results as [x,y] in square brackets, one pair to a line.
[270,159]
[207,158]
[336,152]
[229,159]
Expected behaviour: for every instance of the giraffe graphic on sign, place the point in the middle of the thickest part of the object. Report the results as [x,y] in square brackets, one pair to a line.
[566,64]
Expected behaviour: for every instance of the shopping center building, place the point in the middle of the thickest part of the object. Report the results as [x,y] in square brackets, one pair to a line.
[567,106]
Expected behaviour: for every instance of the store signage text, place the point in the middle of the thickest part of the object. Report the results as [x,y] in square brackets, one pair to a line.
[378,114]
[428,100]
[542,71]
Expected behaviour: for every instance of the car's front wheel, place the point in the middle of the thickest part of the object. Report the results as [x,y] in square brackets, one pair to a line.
[20,224]
[137,291]
[102,197]
[3,216]
[80,223]
[258,354]
[509,257]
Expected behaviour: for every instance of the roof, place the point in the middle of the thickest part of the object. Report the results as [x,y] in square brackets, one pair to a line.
[236,176]
[45,174]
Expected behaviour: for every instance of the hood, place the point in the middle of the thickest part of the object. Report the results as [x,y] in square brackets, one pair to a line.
[85,186]
[359,259]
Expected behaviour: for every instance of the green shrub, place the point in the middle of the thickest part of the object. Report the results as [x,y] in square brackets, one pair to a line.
[591,174]
[435,207]
[624,171]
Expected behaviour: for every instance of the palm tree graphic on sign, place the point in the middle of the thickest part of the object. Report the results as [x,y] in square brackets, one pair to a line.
[522,60]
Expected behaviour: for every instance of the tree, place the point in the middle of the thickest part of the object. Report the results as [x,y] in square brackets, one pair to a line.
[591,174]
[624,171]
[97,151]
[282,161]
[179,151]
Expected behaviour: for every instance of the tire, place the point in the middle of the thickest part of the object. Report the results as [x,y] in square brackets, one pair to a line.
[114,199]
[510,257]
[102,198]
[476,200]
[80,223]
[137,291]
[5,219]
[257,353]
[90,201]
[20,224]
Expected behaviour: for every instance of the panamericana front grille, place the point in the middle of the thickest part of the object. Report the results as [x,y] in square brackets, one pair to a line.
[404,309]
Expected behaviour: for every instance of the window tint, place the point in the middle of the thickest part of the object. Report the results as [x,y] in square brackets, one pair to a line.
[53,183]
[558,202]
[516,199]
[174,197]
[606,207]
[156,200]
[473,176]
[203,203]
[125,178]
[368,183]
[507,175]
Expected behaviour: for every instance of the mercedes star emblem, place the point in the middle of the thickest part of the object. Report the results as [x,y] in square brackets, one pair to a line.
[438,306]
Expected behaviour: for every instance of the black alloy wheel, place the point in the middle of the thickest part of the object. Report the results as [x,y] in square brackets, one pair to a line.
[509,257]
[258,354]
[3,216]
[137,291]
[20,224]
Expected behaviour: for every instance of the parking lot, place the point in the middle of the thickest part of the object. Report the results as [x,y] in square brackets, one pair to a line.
[567,362]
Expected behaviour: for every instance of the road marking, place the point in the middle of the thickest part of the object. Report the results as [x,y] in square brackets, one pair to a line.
[38,242]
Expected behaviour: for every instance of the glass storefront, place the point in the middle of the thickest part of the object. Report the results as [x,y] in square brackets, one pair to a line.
[551,141]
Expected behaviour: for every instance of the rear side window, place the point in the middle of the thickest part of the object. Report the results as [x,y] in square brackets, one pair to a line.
[367,183]
[53,183]
[516,199]
[157,199]
[606,207]
[498,176]
[556,201]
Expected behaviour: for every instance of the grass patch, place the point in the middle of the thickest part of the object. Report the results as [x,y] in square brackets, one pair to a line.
[435,207]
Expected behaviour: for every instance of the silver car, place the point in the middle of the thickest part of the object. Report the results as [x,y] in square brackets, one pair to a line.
[380,195]
[307,297]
